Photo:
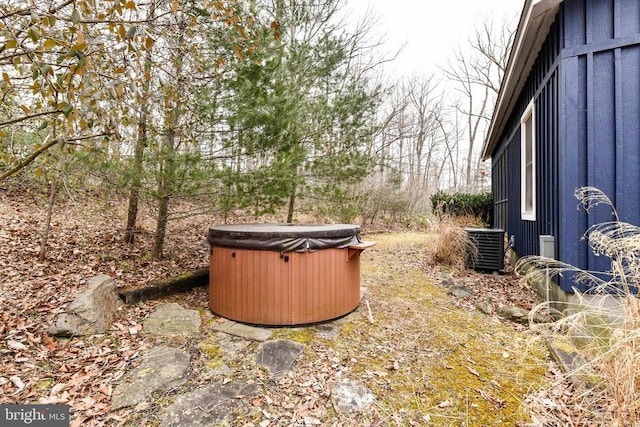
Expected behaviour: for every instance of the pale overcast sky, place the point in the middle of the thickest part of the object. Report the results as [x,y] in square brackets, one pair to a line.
[430,28]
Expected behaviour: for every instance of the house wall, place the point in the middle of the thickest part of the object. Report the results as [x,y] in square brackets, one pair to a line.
[586,83]
[600,109]
[543,85]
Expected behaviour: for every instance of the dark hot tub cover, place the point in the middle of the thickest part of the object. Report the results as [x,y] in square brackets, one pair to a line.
[284,237]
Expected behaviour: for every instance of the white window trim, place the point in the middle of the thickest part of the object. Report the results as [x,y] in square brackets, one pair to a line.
[529,114]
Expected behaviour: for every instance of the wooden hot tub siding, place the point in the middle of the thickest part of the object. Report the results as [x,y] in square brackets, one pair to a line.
[260,287]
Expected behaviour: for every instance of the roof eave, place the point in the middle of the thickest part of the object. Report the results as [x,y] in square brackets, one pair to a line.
[535,22]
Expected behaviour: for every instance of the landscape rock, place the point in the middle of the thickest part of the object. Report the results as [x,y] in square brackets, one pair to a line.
[448,282]
[515,314]
[241,330]
[91,312]
[351,397]
[485,306]
[231,344]
[209,406]
[173,320]
[161,368]
[330,332]
[278,356]
[460,291]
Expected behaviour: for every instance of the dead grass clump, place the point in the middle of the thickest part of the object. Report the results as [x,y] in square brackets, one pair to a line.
[452,246]
[604,331]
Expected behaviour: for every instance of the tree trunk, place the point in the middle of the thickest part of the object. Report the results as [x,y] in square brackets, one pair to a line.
[167,176]
[134,195]
[141,143]
[292,202]
[161,227]
[47,226]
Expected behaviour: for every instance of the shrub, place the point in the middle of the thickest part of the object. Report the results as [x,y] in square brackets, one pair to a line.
[463,204]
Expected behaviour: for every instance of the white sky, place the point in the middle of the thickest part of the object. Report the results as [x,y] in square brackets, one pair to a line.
[431,29]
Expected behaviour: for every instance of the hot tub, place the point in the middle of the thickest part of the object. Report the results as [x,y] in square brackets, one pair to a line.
[284,274]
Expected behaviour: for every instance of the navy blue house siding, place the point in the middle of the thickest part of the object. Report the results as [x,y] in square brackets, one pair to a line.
[586,83]
[601,113]
[543,85]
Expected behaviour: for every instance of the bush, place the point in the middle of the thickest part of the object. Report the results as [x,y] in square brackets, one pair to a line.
[463,204]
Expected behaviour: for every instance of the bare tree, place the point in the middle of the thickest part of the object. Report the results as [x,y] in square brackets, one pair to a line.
[416,138]
[477,76]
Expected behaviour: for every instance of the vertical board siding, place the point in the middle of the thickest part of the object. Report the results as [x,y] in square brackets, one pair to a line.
[601,112]
[600,19]
[328,285]
[629,203]
[586,84]
[542,84]
[628,18]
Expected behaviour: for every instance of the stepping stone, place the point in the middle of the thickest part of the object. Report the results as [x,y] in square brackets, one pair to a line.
[161,368]
[241,330]
[278,357]
[172,320]
[330,332]
[231,344]
[351,397]
[209,406]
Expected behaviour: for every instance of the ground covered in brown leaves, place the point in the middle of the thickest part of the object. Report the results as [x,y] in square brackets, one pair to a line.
[430,359]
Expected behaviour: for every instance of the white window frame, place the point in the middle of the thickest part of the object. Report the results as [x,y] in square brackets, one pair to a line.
[528,213]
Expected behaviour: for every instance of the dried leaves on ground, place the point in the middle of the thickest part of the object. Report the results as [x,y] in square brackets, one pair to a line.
[427,356]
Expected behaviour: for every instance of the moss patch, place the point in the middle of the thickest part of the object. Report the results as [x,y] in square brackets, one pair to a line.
[427,359]
[213,352]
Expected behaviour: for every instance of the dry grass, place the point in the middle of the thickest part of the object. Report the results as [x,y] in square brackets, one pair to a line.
[605,336]
[452,245]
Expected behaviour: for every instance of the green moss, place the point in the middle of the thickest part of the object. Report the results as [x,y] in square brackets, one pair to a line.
[347,330]
[300,335]
[214,352]
[45,384]
[144,372]
[425,356]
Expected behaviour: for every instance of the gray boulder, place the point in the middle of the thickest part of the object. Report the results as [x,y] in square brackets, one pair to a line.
[485,306]
[515,314]
[91,312]
[459,291]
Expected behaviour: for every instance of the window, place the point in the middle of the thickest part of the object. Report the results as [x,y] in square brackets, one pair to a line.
[528,163]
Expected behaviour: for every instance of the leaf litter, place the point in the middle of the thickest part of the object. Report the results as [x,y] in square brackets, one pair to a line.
[426,356]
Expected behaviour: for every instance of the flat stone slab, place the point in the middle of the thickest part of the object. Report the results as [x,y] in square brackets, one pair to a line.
[278,357]
[329,332]
[351,397]
[208,406]
[231,344]
[161,368]
[172,320]
[241,330]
